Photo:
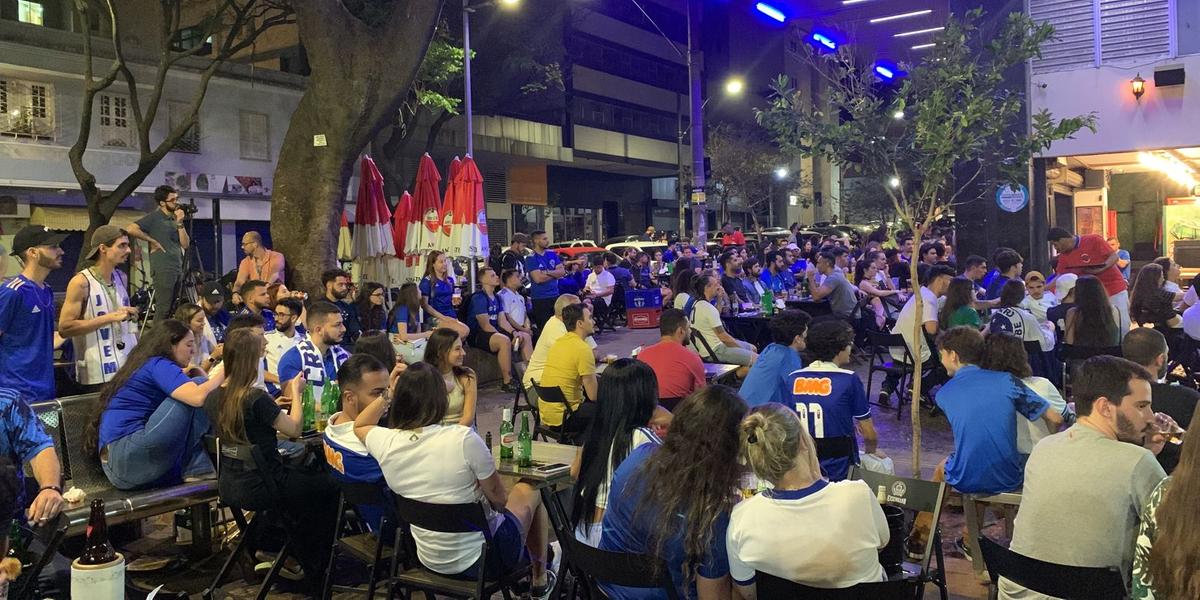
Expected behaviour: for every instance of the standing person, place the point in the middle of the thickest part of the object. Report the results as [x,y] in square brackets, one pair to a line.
[438,296]
[731,236]
[318,356]
[673,501]
[1107,456]
[96,314]
[513,303]
[1166,553]
[337,289]
[777,531]
[148,428]
[445,353]
[163,230]
[770,377]
[490,330]
[513,258]
[256,301]
[260,263]
[678,368]
[1091,255]
[544,269]
[286,334]
[832,402]
[372,316]
[27,338]
[1124,264]
[212,300]
[244,415]
[427,461]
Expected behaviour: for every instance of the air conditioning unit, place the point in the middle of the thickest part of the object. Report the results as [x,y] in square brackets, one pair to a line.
[1095,179]
[13,208]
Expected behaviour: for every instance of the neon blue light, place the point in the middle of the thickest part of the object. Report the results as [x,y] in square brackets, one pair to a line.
[824,40]
[771,11]
[884,72]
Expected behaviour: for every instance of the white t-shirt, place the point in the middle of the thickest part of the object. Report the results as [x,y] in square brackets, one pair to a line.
[1038,307]
[680,300]
[277,345]
[601,283]
[1191,321]
[705,319]
[641,435]
[1022,324]
[513,305]
[438,464]
[1029,433]
[827,535]
[906,318]
[551,331]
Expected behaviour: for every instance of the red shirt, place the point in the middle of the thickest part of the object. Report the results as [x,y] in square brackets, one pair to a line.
[680,370]
[1092,251]
[733,239]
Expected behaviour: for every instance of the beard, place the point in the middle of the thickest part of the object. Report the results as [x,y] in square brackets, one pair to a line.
[47,260]
[329,340]
[1126,432]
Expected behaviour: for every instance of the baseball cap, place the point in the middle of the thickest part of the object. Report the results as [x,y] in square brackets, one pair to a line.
[1034,276]
[212,291]
[104,235]
[35,235]
[792,247]
[1063,284]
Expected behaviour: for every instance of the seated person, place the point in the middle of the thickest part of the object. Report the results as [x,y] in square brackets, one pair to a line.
[571,367]
[266,381]
[706,320]
[551,331]
[751,278]
[835,287]
[1005,353]
[446,354]
[832,401]
[600,287]
[362,379]
[149,427]
[805,529]
[1148,348]
[449,464]
[1064,301]
[678,368]
[625,405]
[958,307]
[1009,317]
[673,500]
[731,265]
[1150,303]
[1008,264]
[770,377]
[622,276]
[937,281]
[405,325]
[490,330]
[514,304]
[244,415]
[318,356]
[257,301]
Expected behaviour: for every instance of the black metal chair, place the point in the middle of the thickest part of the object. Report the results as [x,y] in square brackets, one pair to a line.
[449,518]
[698,342]
[365,542]
[553,395]
[882,361]
[1072,356]
[1059,581]
[1185,356]
[770,587]
[592,567]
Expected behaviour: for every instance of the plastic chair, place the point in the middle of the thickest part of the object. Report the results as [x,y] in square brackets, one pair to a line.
[593,567]
[770,587]
[917,496]
[450,518]
[1059,581]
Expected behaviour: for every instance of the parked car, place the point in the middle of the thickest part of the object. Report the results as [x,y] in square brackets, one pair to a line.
[642,245]
[570,249]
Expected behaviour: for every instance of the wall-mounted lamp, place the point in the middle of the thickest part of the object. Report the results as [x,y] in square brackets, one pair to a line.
[1138,86]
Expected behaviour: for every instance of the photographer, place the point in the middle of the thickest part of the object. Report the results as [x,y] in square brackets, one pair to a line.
[163,229]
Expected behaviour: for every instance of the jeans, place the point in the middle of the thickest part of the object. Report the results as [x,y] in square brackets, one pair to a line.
[169,448]
[166,289]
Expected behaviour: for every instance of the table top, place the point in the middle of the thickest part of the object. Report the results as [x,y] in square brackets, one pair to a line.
[544,453]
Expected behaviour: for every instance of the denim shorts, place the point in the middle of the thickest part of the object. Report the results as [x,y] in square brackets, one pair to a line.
[506,550]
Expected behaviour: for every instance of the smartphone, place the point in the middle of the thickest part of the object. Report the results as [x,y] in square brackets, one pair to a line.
[552,468]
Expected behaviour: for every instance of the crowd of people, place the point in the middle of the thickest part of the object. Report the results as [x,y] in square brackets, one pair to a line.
[661,450]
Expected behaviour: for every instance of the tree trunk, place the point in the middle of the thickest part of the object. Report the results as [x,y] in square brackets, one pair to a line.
[919,336]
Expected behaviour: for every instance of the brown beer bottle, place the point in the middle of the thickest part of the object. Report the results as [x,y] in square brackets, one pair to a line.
[97,550]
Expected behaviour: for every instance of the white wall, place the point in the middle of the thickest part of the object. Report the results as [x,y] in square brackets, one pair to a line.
[1164,118]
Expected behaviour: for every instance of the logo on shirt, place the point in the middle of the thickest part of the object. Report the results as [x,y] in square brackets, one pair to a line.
[36,310]
[334,458]
[812,386]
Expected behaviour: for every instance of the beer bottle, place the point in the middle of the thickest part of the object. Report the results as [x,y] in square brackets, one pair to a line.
[768,302]
[308,408]
[333,403]
[507,439]
[524,450]
[97,550]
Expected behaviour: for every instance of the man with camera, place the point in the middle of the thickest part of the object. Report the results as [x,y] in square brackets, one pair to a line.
[163,229]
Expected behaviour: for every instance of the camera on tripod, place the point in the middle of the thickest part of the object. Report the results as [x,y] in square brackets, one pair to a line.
[189,208]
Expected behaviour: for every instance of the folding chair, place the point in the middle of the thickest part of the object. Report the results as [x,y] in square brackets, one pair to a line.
[1073,355]
[450,518]
[882,361]
[1185,357]
[1058,581]
[770,587]
[364,545]
[554,395]
[593,567]
[917,496]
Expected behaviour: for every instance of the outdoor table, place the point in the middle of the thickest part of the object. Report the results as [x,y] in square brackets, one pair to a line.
[549,486]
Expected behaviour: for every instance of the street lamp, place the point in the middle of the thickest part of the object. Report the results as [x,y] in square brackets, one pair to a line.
[467,9]
[894,182]
[780,173]
[734,86]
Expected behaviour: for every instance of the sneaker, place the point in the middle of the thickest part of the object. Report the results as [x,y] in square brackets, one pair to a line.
[542,592]
[885,398]
[961,545]
[290,570]
[510,387]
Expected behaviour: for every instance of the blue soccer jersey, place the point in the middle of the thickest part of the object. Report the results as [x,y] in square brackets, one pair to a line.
[27,338]
[829,400]
[547,261]
[482,304]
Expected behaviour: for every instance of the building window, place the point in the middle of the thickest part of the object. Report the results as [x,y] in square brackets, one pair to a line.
[255,136]
[189,38]
[26,108]
[32,13]
[177,113]
[116,129]
[528,219]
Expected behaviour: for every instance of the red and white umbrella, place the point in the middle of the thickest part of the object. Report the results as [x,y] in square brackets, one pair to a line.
[424,220]
[449,208]
[374,246]
[345,247]
[467,224]
[400,219]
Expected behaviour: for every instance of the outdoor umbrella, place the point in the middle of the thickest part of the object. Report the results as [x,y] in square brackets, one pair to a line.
[400,219]
[424,220]
[450,208]
[345,248]
[374,247]
[468,223]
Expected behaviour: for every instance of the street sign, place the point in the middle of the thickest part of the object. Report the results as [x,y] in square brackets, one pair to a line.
[1011,200]
[698,196]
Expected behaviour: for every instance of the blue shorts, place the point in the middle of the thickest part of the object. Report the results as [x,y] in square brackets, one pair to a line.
[506,550]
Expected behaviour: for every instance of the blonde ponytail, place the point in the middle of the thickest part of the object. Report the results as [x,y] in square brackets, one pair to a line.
[772,439]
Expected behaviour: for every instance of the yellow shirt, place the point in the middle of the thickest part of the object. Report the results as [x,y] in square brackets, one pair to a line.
[569,361]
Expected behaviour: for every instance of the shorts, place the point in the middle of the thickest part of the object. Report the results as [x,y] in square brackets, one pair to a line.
[483,339]
[506,550]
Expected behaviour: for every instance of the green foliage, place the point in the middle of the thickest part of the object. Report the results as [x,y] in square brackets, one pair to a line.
[443,66]
[960,116]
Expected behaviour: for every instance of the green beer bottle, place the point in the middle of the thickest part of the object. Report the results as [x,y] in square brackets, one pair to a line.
[524,449]
[308,408]
[507,439]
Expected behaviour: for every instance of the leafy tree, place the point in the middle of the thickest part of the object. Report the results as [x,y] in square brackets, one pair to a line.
[960,120]
[233,25]
[364,56]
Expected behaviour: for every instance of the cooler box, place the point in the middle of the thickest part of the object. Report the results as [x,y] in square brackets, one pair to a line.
[643,299]
[642,318]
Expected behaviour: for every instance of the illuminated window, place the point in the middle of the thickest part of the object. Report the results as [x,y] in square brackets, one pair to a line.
[31,12]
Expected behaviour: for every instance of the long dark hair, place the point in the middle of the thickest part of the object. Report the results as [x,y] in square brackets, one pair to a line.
[243,353]
[1005,352]
[625,400]
[1094,324]
[410,298]
[1175,555]
[418,398]
[681,281]
[1147,285]
[692,474]
[960,293]
[372,317]
[438,347]
[160,340]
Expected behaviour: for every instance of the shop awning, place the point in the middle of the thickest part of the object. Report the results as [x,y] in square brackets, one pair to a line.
[75,218]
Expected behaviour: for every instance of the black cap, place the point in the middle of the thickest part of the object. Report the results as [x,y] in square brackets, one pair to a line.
[35,235]
[212,291]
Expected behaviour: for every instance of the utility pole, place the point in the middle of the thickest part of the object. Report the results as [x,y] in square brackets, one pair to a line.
[695,97]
